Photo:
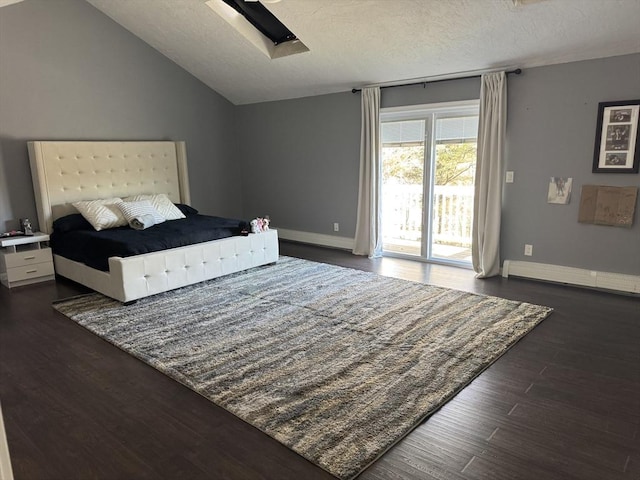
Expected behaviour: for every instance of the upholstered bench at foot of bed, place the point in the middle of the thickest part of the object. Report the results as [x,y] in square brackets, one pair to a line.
[131,278]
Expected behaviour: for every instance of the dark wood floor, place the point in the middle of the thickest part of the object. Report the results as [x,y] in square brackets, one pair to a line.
[564,403]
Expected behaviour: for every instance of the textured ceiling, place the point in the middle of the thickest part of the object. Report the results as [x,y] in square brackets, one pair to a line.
[358,42]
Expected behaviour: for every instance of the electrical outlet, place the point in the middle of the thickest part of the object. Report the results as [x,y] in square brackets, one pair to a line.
[336,227]
[528,250]
[509,177]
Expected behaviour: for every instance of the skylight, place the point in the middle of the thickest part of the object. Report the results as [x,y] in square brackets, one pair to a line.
[263,20]
[257,24]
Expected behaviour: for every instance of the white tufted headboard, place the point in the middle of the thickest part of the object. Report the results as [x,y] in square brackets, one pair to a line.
[66,172]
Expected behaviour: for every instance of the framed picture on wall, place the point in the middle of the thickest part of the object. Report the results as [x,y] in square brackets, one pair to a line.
[617,138]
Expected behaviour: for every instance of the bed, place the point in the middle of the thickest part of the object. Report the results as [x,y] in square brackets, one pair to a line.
[67,172]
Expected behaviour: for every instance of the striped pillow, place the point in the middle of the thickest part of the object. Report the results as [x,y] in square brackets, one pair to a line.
[162,203]
[136,210]
[102,214]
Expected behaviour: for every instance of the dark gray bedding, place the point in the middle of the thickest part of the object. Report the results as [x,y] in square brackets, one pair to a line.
[75,239]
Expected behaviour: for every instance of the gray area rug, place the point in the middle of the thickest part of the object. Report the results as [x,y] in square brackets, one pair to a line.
[336,364]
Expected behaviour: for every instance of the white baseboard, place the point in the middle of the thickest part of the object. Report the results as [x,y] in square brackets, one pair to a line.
[573,276]
[344,243]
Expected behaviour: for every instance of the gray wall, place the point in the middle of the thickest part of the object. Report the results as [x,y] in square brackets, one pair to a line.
[301,158]
[552,114]
[301,161]
[68,72]
[447,91]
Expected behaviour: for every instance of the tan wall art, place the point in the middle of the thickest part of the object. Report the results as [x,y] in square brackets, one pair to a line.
[603,205]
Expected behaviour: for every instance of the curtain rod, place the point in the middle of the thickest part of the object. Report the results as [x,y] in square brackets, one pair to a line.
[517,71]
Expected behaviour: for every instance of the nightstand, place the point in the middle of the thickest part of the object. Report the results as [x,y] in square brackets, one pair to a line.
[25,260]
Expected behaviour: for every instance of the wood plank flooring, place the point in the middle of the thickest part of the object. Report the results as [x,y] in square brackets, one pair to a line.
[564,403]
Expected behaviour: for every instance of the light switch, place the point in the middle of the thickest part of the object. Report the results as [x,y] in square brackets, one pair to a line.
[509,177]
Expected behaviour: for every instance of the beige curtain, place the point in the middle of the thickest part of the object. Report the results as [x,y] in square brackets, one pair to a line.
[485,249]
[368,240]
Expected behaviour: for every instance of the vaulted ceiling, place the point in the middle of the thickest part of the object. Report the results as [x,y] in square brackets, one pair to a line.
[359,42]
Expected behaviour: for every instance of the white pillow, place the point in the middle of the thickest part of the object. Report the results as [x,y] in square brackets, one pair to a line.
[134,210]
[102,214]
[162,203]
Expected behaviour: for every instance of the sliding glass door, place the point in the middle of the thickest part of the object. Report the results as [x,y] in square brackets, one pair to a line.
[403,173]
[428,166]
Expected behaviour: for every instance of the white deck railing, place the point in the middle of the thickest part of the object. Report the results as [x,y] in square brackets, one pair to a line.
[451,220]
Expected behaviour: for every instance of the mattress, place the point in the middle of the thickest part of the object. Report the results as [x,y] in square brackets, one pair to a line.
[78,241]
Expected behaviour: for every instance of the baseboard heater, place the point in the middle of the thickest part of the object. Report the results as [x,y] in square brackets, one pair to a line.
[573,276]
[537,271]
[333,241]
